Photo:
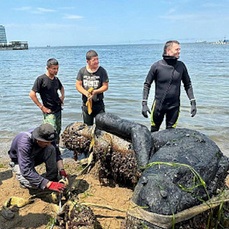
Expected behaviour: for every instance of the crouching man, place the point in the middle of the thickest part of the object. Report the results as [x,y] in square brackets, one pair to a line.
[33,148]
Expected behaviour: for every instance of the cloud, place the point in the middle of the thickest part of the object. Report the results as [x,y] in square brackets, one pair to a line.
[173,14]
[67,8]
[73,17]
[24,8]
[45,10]
[53,26]
[38,10]
[49,26]
[212,5]
[179,16]
[171,11]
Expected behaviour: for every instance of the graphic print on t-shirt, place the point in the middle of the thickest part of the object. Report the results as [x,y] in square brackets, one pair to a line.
[91,81]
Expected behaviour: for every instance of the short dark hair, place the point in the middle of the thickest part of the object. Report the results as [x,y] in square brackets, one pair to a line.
[51,62]
[90,54]
[169,44]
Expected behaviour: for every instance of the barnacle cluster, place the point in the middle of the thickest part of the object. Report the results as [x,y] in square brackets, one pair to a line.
[75,215]
[75,137]
[115,155]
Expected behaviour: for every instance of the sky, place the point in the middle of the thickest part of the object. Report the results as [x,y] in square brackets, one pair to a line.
[104,22]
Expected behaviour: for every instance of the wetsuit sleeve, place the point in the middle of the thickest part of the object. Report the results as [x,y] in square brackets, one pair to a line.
[190,93]
[26,162]
[147,84]
[187,84]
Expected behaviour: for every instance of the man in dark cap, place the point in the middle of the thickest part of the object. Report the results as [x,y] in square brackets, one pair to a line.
[32,148]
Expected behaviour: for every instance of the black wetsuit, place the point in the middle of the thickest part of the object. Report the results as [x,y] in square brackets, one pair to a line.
[167,74]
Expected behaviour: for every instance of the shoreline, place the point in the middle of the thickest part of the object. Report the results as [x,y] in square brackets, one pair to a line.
[5,146]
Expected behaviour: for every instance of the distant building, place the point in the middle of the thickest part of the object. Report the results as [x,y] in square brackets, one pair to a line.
[13,45]
[3,35]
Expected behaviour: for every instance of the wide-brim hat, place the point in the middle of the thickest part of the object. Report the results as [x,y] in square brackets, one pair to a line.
[45,132]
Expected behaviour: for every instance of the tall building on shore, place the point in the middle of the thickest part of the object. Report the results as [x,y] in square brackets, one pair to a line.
[12,45]
[3,35]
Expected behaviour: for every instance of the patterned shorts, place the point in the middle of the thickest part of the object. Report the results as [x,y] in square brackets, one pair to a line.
[54,120]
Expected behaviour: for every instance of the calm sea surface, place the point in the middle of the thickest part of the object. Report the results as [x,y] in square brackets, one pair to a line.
[127,67]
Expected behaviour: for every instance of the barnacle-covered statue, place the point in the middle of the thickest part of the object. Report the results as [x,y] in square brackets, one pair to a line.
[177,173]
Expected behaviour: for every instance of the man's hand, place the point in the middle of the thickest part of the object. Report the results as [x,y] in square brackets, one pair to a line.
[90,93]
[55,186]
[145,109]
[63,174]
[46,110]
[193,108]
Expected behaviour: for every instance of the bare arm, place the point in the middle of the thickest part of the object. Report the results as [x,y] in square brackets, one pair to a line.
[80,88]
[101,89]
[33,96]
[60,165]
[62,94]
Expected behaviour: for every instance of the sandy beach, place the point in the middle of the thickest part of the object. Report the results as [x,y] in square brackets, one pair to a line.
[40,213]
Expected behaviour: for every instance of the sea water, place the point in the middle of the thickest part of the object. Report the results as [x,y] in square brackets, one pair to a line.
[127,67]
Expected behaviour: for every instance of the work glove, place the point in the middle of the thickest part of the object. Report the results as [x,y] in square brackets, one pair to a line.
[193,108]
[145,109]
[63,174]
[55,186]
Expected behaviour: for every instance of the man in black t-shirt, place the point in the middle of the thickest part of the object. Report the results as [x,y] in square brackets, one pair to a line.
[47,85]
[92,80]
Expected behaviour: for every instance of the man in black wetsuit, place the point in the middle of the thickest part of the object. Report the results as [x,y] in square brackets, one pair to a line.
[167,74]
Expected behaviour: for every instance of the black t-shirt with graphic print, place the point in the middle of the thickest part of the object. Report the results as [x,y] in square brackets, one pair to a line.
[94,80]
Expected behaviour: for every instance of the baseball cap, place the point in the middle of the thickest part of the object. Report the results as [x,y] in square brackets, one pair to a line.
[45,132]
